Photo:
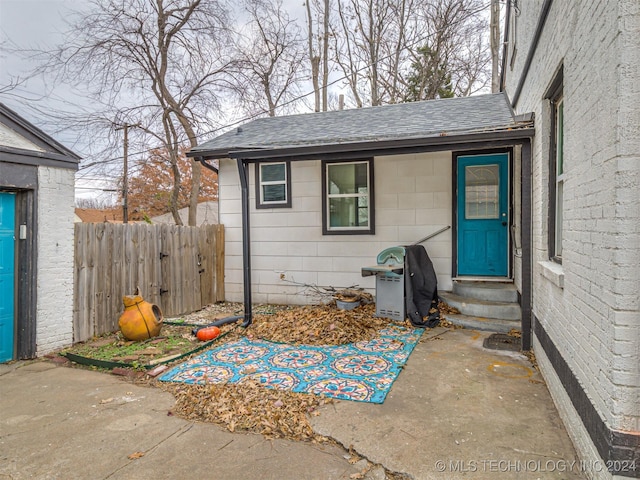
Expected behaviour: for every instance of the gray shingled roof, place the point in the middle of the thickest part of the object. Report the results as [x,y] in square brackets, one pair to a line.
[432,118]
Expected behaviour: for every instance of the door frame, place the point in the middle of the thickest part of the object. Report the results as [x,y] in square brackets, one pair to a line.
[23,180]
[454,226]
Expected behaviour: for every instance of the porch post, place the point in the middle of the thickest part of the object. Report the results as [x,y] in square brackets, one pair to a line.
[243,170]
[525,300]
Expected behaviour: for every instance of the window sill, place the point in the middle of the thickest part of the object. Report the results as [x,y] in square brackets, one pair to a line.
[553,272]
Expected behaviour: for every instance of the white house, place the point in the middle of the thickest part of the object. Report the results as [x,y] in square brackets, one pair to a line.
[540,185]
[311,199]
[576,65]
[36,240]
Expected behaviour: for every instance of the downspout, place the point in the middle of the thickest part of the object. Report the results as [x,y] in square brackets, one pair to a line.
[222,321]
[243,170]
[526,218]
[203,161]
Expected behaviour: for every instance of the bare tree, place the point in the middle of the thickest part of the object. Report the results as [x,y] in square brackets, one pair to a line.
[397,50]
[166,60]
[318,33]
[271,58]
[371,39]
[454,54]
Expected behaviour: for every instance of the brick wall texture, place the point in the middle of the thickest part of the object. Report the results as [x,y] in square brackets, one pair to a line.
[594,321]
[54,311]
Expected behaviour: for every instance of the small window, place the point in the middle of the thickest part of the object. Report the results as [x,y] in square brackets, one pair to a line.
[348,197]
[556,169]
[273,185]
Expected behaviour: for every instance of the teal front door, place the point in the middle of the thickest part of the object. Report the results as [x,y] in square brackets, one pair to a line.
[483,215]
[7,248]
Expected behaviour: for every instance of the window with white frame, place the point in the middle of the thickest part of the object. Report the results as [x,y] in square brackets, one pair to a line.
[556,168]
[273,185]
[348,197]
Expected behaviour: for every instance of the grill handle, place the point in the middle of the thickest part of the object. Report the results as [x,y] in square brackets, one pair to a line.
[444,229]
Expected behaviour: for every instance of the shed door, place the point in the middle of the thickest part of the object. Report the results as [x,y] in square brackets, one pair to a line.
[483,220]
[7,253]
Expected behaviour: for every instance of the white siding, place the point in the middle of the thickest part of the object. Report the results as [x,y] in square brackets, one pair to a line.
[54,310]
[412,200]
[594,320]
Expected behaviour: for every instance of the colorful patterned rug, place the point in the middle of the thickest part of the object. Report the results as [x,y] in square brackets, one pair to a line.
[362,371]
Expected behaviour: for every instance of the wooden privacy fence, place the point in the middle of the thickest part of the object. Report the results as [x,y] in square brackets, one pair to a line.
[180,269]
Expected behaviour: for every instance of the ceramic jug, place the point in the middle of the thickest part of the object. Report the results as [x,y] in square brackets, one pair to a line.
[141,320]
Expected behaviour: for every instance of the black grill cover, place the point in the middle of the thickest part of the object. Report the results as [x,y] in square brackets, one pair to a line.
[421,288]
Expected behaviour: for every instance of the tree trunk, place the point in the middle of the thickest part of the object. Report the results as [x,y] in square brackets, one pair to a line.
[495,44]
[325,57]
[314,59]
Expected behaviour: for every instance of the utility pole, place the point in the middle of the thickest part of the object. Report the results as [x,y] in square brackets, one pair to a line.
[125,178]
[495,44]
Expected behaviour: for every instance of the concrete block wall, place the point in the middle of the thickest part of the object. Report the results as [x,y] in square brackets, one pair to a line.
[589,305]
[54,310]
[412,200]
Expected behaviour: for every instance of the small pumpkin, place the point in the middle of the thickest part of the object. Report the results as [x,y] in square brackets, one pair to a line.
[207,333]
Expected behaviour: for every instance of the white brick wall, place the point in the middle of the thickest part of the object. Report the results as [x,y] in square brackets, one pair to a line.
[594,321]
[413,199]
[54,311]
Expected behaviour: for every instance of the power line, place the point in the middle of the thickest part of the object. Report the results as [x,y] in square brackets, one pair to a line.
[256,115]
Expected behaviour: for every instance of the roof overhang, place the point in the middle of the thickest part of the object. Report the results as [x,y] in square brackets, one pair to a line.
[47,151]
[460,141]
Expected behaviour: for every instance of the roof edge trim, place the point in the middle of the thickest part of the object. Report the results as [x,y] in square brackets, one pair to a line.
[515,134]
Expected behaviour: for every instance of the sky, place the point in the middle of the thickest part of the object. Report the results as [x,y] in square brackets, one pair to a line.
[41,24]
[32,24]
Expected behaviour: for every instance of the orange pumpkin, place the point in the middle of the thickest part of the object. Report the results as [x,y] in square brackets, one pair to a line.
[208,333]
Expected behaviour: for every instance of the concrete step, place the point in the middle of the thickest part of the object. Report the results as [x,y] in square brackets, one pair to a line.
[483,308]
[485,324]
[490,291]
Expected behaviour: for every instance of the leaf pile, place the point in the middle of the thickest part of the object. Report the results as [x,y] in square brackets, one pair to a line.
[216,311]
[248,406]
[319,325]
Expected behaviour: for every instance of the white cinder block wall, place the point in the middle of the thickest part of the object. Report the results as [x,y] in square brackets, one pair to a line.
[54,311]
[594,318]
[412,200]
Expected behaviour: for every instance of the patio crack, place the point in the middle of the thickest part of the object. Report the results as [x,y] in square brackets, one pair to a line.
[388,473]
[179,432]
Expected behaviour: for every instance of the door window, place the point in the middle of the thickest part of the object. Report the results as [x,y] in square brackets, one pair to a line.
[482,187]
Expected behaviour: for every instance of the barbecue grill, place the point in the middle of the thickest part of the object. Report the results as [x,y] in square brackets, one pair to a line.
[389,272]
[406,284]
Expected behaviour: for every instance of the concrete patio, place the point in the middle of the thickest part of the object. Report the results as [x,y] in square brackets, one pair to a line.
[457,410]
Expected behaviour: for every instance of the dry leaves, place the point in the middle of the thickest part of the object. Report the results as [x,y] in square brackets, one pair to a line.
[447,309]
[248,406]
[319,325]
[532,358]
[514,332]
